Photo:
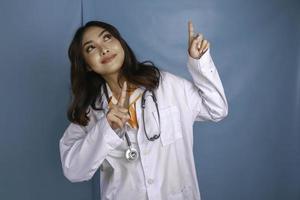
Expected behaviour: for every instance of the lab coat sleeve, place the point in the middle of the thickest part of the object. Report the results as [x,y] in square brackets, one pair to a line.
[83,152]
[205,96]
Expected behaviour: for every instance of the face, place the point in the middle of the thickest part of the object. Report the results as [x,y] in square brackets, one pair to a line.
[102,52]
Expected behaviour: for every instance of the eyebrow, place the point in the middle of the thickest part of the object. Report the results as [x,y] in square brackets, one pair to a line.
[98,36]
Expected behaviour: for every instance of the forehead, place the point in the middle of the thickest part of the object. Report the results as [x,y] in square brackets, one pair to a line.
[91,33]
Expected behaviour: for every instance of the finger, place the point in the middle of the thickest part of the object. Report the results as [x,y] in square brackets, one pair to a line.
[194,45]
[199,40]
[123,110]
[122,98]
[120,115]
[116,120]
[207,47]
[118,108]
[191,32]
[203,45]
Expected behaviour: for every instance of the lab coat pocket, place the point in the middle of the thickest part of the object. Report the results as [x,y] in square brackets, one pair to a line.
[171,130]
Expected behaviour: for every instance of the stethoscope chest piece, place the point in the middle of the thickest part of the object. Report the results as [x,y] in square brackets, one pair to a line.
[131,154]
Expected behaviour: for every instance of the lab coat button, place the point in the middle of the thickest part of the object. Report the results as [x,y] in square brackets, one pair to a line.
[150,181]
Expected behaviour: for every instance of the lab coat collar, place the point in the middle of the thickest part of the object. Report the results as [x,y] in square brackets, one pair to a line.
[132,97]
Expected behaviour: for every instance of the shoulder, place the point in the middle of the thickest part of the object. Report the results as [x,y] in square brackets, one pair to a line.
[170,77]
[170,80]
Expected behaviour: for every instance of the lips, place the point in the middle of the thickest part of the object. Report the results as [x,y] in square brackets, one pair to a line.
[108,59]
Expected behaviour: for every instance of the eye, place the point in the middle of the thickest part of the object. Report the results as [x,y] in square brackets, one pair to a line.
[89,48]
[107,36]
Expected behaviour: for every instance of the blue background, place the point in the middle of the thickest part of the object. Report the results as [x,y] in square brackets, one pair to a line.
[254,153]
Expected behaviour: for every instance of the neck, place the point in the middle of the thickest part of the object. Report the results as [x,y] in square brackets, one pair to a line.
[112,81]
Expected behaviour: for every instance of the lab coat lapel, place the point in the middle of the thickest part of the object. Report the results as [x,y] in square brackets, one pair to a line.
[140,133]
[132,97]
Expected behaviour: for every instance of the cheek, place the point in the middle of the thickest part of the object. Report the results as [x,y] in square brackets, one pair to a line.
[117,47]
[93,59]
[122,55]
[121,52]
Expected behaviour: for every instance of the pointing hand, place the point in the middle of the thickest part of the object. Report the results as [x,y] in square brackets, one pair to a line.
[197,44]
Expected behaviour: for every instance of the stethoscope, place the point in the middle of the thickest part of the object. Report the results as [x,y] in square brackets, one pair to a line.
[131,154]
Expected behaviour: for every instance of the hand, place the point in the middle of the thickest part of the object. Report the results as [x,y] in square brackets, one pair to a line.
[197,44]
[118,115]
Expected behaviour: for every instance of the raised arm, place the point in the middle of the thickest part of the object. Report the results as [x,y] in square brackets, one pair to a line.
[205,96]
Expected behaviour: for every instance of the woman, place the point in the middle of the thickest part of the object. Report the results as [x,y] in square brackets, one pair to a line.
[133,121]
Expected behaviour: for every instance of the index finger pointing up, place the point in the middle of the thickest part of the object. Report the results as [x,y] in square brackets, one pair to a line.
[191,31]
[122,98]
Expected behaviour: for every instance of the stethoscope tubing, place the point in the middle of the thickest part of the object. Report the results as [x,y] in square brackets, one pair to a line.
[131,153]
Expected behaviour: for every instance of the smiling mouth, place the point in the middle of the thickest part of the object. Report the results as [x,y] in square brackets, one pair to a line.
[108,59]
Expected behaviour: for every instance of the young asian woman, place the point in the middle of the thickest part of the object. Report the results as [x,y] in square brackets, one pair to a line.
[133,121]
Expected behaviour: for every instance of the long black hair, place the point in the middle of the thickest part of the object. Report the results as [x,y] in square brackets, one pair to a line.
[86,84]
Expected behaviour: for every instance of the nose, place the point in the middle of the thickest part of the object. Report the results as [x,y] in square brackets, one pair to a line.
[104,51]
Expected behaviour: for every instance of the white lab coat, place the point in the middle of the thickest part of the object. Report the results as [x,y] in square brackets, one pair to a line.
[165,169]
